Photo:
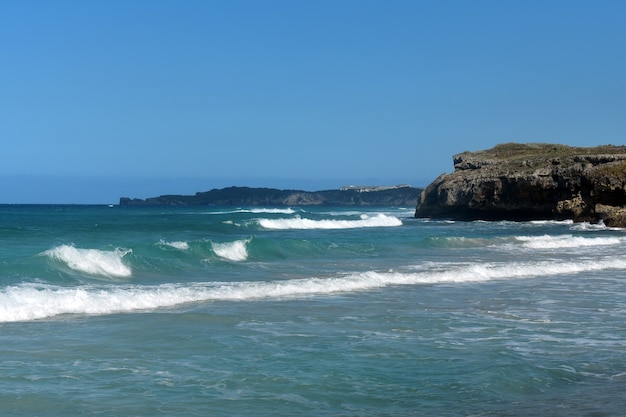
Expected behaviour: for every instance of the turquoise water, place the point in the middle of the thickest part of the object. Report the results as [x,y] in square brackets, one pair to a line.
[114,311]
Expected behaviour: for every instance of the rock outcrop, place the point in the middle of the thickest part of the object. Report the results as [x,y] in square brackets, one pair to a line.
[400,196]
[531,182]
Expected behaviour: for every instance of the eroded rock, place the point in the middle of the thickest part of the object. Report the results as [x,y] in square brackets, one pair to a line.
[531,182]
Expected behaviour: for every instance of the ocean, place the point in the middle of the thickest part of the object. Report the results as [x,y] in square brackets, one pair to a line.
[308,311]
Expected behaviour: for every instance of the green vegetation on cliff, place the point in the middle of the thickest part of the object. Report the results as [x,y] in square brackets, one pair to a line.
[522,151]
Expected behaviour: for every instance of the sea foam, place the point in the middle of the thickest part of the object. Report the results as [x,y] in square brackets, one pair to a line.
[182,245]
[257,211]
[565,241]
[92,261]
[25,302]
[379,220]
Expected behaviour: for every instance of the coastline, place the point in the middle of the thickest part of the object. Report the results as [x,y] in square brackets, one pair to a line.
[397,195]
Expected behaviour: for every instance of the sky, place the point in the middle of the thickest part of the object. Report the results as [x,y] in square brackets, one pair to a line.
[139,98]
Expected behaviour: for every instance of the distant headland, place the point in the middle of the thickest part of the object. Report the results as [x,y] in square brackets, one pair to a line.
[396,195]
[533,181]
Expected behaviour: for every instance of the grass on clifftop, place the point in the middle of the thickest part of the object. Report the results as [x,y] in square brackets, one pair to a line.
[543,150]
[612,171]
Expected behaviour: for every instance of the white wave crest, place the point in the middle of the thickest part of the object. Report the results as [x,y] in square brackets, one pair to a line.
[182,245]
[565,241]
[233,251]
[547,222]
[270,210]
[258,211]
[27,302]
[592,227]
[92,261]
[379,220]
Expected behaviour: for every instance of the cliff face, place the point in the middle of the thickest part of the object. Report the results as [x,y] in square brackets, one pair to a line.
[531,182]
[401,196]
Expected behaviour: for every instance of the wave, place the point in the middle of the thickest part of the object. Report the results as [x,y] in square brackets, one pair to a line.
[270,210]
[182,245]
[257,211]
[26,302]
[565,241]
[548,222]
[592,227]
[92,261]
[399,212]
[233,251]
[585,226]
[459,241]
[379,220]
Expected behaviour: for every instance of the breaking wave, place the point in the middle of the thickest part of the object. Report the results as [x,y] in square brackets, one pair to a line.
[24,302]
[182,245]
[233,251]
[257,211]
[92,261]
[565,241]
[379,220]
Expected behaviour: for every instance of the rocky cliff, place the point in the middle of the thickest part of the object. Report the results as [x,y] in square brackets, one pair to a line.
[532,181]
[401,196]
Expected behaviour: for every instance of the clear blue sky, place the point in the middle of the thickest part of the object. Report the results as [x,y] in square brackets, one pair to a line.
[103,99]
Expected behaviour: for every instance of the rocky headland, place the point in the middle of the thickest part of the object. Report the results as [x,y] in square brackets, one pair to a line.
[398,195]
[532,182]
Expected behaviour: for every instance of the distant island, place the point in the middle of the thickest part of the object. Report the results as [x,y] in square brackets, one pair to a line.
[534,181]
[396,195]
